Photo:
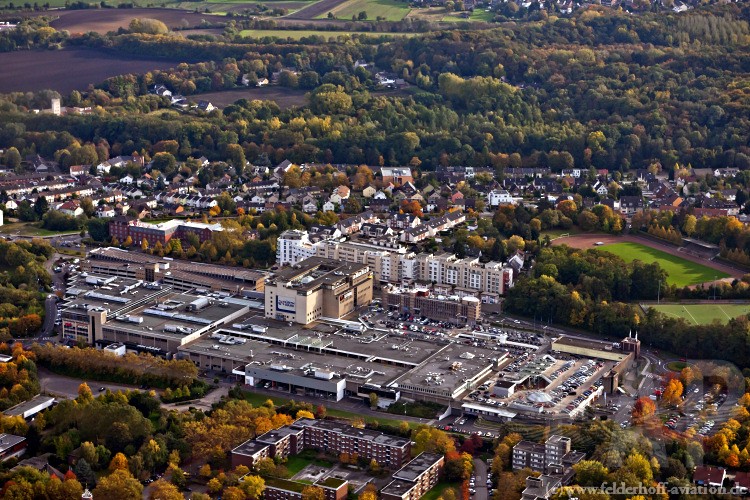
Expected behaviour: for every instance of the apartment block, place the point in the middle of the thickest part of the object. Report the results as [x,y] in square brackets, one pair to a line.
[390,262]
[249,453]
[415,479]
[123,227]
[421,302]
[336,438]
[553,454]
[284,489]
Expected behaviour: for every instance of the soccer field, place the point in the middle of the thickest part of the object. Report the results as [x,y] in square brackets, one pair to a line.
[680,272]
[703,314]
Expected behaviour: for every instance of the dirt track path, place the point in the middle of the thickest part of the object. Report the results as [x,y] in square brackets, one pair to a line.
[588,241]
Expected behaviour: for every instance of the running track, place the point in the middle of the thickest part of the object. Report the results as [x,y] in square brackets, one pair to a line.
[588,241]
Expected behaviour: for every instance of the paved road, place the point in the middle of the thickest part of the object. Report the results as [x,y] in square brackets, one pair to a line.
[58,385]
[480,474]
[50,314]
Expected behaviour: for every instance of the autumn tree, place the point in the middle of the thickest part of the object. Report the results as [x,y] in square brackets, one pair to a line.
[119,462]
[590,473]
[643,409]
[84,393]
[253,486]
[119,485]
[163,490]
[432,440]
[673,392]
[313,493]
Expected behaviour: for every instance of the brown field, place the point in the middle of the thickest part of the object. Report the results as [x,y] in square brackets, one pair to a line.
[315,10]
[205,31]
[104,20]
[285,98]
[68,69]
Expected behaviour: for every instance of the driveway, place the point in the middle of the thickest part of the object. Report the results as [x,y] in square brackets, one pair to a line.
[480,475]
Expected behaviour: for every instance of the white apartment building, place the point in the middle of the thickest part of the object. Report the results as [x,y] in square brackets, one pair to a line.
[294,246]
[395,264]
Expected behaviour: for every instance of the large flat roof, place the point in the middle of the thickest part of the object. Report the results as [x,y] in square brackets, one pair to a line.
[314,272]
[31,404]
[418,466]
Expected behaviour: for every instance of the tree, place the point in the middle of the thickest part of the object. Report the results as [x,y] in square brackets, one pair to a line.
[84,393]
[233,493]
[162,490]
[119,485]
[431,440]
[673,392]
[373,400]
[515,243]
[84,473]
[119,462]
[643,409]
[12,158]
[253,486]
[304,414]
[689,225]
[148,26]
[88,452]
[313,493]
[144,244]
[590,473]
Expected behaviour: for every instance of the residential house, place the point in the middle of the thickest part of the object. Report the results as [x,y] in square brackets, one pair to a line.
[105,211]
[340,194]
[206,106]
[371,230]
[498,197]
[398,176]
[77,170]
[403,221]
[72,208]
[432,202]
[281,169]
[161,90]
[369,192]
[328,206]
[309,205]
[631,204]
[601,188]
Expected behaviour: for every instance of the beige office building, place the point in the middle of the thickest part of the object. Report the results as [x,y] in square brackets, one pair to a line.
[317,288]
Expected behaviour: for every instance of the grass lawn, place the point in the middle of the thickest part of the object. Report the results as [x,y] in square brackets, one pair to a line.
[438,490]
[257,399]
[676,366]
[556,233]
[476,15]
[680,272]
[703,314]
[30,229]
[297,34]
[391,10]
[296,463]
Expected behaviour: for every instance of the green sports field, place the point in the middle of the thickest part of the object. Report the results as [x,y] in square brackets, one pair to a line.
[703,314]
[680,272]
